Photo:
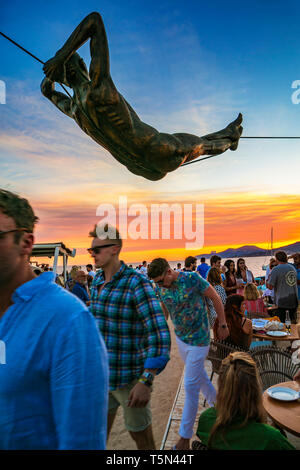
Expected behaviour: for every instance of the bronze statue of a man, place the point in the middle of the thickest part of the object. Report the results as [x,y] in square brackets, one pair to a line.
[102,112]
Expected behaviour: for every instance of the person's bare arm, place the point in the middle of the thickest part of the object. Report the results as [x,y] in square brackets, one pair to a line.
[140,393]
[165,310]
[60,100]
[218,306]
[91,27]
[297,376]
[247,329]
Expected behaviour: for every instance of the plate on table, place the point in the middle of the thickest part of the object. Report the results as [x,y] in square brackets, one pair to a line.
[283,393]
[276,333]
[259,324]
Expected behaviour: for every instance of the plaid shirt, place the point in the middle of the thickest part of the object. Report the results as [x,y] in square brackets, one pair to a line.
[132,324]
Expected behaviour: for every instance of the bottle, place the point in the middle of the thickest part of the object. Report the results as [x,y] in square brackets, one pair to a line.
[287,321]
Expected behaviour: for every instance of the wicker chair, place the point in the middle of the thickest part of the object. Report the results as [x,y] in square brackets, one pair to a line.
[218,350]
[274,365]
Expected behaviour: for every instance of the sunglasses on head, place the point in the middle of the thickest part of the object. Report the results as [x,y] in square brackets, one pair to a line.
[96,249]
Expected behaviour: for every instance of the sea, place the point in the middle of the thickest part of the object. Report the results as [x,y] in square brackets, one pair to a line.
[254,263]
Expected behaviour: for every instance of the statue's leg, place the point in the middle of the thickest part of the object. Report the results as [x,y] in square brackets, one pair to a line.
[164,152]
[212,144]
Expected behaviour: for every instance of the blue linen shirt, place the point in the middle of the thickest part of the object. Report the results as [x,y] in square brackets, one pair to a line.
[54,384]
[202,269]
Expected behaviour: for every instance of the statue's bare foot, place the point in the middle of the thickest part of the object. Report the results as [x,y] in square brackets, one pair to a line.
[218,142]
[227,138]
[231,133]
[236,129]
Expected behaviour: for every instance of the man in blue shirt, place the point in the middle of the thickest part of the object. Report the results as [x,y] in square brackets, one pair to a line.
[79,288]
[203,268]
[54,380]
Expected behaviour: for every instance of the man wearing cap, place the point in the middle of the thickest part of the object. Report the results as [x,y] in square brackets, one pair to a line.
[135,332]
[54,382]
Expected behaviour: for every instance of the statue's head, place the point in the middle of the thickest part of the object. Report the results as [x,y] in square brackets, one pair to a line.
[76,71]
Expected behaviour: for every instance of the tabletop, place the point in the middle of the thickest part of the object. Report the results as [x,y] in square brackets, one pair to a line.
[292,337]
[284,413]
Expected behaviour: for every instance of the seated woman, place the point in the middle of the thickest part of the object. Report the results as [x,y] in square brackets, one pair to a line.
[253,302]
[240,327]
[215,280]
[238,420]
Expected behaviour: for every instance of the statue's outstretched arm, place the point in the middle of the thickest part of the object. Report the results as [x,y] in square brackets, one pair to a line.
[61,101]
[92,28]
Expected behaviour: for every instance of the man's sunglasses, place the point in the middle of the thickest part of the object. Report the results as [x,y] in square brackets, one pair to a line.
[96,249]
[4,232]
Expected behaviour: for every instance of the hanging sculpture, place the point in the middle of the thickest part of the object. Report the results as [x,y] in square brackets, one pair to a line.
[104,114]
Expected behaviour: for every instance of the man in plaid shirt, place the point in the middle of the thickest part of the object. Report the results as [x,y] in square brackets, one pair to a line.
[135,332]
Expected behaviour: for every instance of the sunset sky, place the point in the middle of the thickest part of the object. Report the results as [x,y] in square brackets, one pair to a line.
[184,67]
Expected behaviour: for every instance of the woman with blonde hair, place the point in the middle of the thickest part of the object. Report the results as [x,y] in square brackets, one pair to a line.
[238,420]
[253,302]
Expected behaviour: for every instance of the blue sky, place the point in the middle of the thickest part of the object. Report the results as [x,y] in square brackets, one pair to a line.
[185,66]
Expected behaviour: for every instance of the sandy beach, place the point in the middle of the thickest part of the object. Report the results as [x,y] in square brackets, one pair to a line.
[165,388]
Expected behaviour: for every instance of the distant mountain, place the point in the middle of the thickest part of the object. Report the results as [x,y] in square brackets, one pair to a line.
[290,249]
[251,250]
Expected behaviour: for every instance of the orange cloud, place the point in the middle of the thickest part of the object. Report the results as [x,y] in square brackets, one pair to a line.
[230,220]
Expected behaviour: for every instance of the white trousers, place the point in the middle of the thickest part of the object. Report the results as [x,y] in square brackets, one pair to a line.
[195,379]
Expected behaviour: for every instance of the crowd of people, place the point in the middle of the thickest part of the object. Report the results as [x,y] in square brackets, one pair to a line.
[74,355]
